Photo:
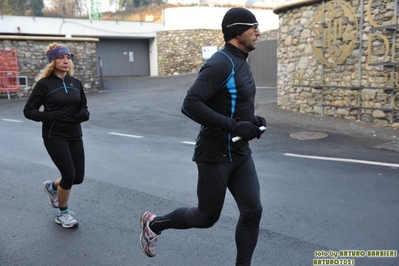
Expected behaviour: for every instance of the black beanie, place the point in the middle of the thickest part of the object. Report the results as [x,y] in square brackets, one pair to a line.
[236,15]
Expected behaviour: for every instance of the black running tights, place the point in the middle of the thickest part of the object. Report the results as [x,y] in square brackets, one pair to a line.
[213,180]
[68,156]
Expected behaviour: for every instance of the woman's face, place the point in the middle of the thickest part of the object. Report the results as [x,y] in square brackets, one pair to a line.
[62,63]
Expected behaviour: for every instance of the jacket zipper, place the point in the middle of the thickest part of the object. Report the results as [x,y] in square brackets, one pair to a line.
[65,87]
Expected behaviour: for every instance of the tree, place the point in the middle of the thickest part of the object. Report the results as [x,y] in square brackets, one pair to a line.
[37,7]
[14,7]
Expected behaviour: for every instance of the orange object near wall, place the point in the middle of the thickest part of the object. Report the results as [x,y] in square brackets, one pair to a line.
[9,74]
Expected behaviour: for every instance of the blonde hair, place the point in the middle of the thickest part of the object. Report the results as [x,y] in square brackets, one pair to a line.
[44,73]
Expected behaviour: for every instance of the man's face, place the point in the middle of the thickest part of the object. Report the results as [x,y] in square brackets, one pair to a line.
[247,40]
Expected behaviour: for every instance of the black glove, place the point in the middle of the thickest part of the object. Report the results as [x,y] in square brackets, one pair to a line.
[246,130]
[53,116]
[259,122]
[83,115]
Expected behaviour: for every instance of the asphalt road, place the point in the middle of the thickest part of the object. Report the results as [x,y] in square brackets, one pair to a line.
[332,194]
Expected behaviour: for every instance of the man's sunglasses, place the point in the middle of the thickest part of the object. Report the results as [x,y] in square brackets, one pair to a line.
[253,25]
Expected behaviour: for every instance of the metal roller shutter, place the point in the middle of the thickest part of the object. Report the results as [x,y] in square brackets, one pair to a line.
[123,57]
[263,62]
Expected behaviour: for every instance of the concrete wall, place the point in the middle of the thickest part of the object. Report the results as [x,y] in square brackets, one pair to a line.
[182,18]
[186,18]
[175,45]
[178,21]
[78,28]
[66,27]
[188,29]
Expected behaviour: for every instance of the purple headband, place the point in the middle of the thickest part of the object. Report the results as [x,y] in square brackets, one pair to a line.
[56,52]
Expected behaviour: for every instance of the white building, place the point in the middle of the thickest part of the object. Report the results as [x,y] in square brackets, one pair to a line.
[138,36]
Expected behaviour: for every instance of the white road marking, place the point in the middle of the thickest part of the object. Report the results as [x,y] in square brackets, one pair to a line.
[342,160]
[125,135]
[12,120]
[188,142]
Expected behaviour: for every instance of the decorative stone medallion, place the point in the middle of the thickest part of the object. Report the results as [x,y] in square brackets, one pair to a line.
[335,32]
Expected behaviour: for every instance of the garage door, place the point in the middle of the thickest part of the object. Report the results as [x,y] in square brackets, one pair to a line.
[263,62]
[123,57]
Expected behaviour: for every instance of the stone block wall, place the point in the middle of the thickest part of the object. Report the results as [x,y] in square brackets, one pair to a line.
[337,68]
[268,35]
[180,51]
[31,58]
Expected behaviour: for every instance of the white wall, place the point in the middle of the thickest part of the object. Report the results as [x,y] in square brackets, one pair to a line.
[211,18]
[254,3]
[77,27]
[181,18]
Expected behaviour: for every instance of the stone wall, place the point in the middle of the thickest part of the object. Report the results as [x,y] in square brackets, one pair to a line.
[268,35]
[180,51]
[331,61]
[31,58]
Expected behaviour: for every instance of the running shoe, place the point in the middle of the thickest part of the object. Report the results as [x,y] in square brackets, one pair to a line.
[52,197]
[148,239]
[66,219]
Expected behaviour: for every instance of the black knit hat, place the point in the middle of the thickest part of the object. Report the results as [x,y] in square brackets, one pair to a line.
[236,15]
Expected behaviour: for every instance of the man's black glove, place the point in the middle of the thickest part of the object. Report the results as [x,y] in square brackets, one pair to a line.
[259,122]
[246,130]
[53,116]
[83,115]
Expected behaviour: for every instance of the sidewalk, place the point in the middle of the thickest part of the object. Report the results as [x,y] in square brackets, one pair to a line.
[379,136]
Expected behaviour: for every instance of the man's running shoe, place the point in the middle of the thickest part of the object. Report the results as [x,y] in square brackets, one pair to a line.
[66,219]
[52,197]
[148,239]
